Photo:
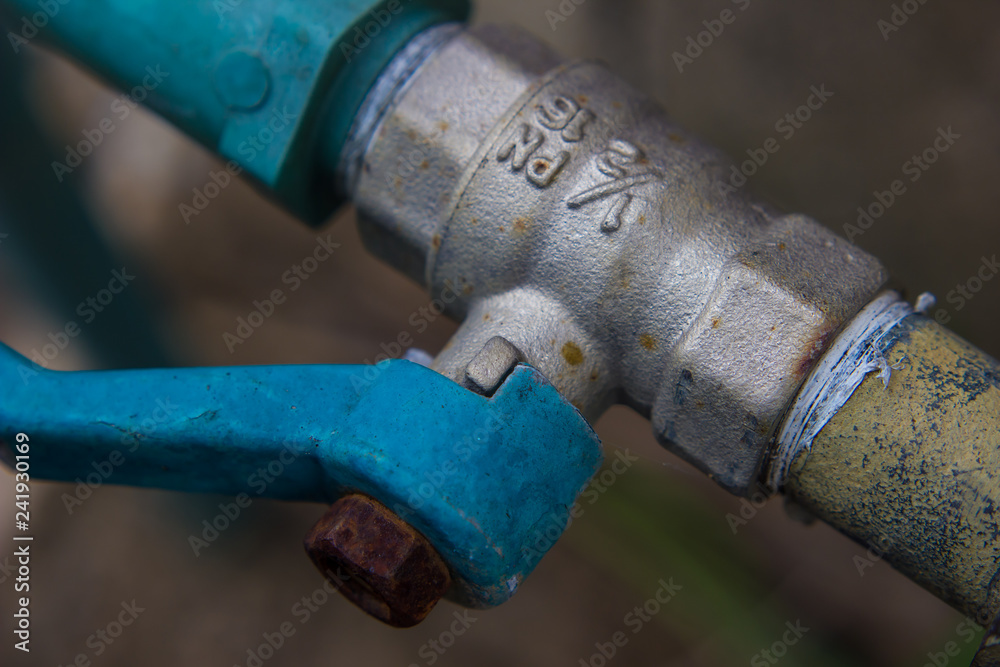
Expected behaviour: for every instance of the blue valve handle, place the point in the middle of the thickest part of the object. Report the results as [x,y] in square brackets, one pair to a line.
[489,481]
[272,85]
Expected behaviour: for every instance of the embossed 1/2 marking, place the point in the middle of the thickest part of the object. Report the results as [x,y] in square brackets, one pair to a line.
[522,145]
[617,161]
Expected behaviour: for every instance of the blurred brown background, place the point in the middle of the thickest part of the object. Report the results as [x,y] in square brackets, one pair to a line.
[661,519]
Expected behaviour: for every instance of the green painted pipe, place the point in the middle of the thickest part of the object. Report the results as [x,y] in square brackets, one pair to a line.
[272,85]
[912,468]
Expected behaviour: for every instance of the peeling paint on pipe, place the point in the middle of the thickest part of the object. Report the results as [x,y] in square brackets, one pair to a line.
[913,468]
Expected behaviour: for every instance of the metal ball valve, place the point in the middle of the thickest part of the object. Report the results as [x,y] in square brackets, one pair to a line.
[594,252]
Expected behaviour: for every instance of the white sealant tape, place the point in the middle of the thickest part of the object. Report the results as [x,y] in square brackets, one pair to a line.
[856,353]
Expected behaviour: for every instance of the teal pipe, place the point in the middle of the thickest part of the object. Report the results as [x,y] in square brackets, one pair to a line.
[270,85]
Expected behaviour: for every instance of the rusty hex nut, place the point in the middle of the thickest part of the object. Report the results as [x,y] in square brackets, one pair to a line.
[378,561]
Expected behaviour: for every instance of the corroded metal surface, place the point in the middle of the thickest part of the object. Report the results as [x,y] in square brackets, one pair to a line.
[914,467]
[556,206]
[378,561]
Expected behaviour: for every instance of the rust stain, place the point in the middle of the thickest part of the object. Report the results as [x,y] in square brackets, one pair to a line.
[425,164]
[814,352]
[716,322]
[443,126]
[467,290]
[521,225]
[676,138]
[583,99]
[486,317]
[394,572]
[436,241]
[647,341]
[912,469]
[572,353]
[593,376]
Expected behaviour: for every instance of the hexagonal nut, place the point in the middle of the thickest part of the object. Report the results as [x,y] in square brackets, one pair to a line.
[378,561]
[776,308]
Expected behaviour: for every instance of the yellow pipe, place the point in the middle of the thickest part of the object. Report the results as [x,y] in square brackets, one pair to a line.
[912,468]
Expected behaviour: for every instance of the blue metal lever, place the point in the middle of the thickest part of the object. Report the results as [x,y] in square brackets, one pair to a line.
[489,481]
[272,85]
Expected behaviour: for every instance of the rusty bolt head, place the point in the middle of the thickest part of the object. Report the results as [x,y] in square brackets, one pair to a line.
[378,561]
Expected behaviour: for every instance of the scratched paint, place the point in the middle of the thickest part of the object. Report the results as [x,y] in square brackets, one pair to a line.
[915,468]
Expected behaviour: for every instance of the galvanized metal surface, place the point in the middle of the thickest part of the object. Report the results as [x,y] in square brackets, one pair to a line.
[911,468]
[464,470]
[557,207]
[419,150]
